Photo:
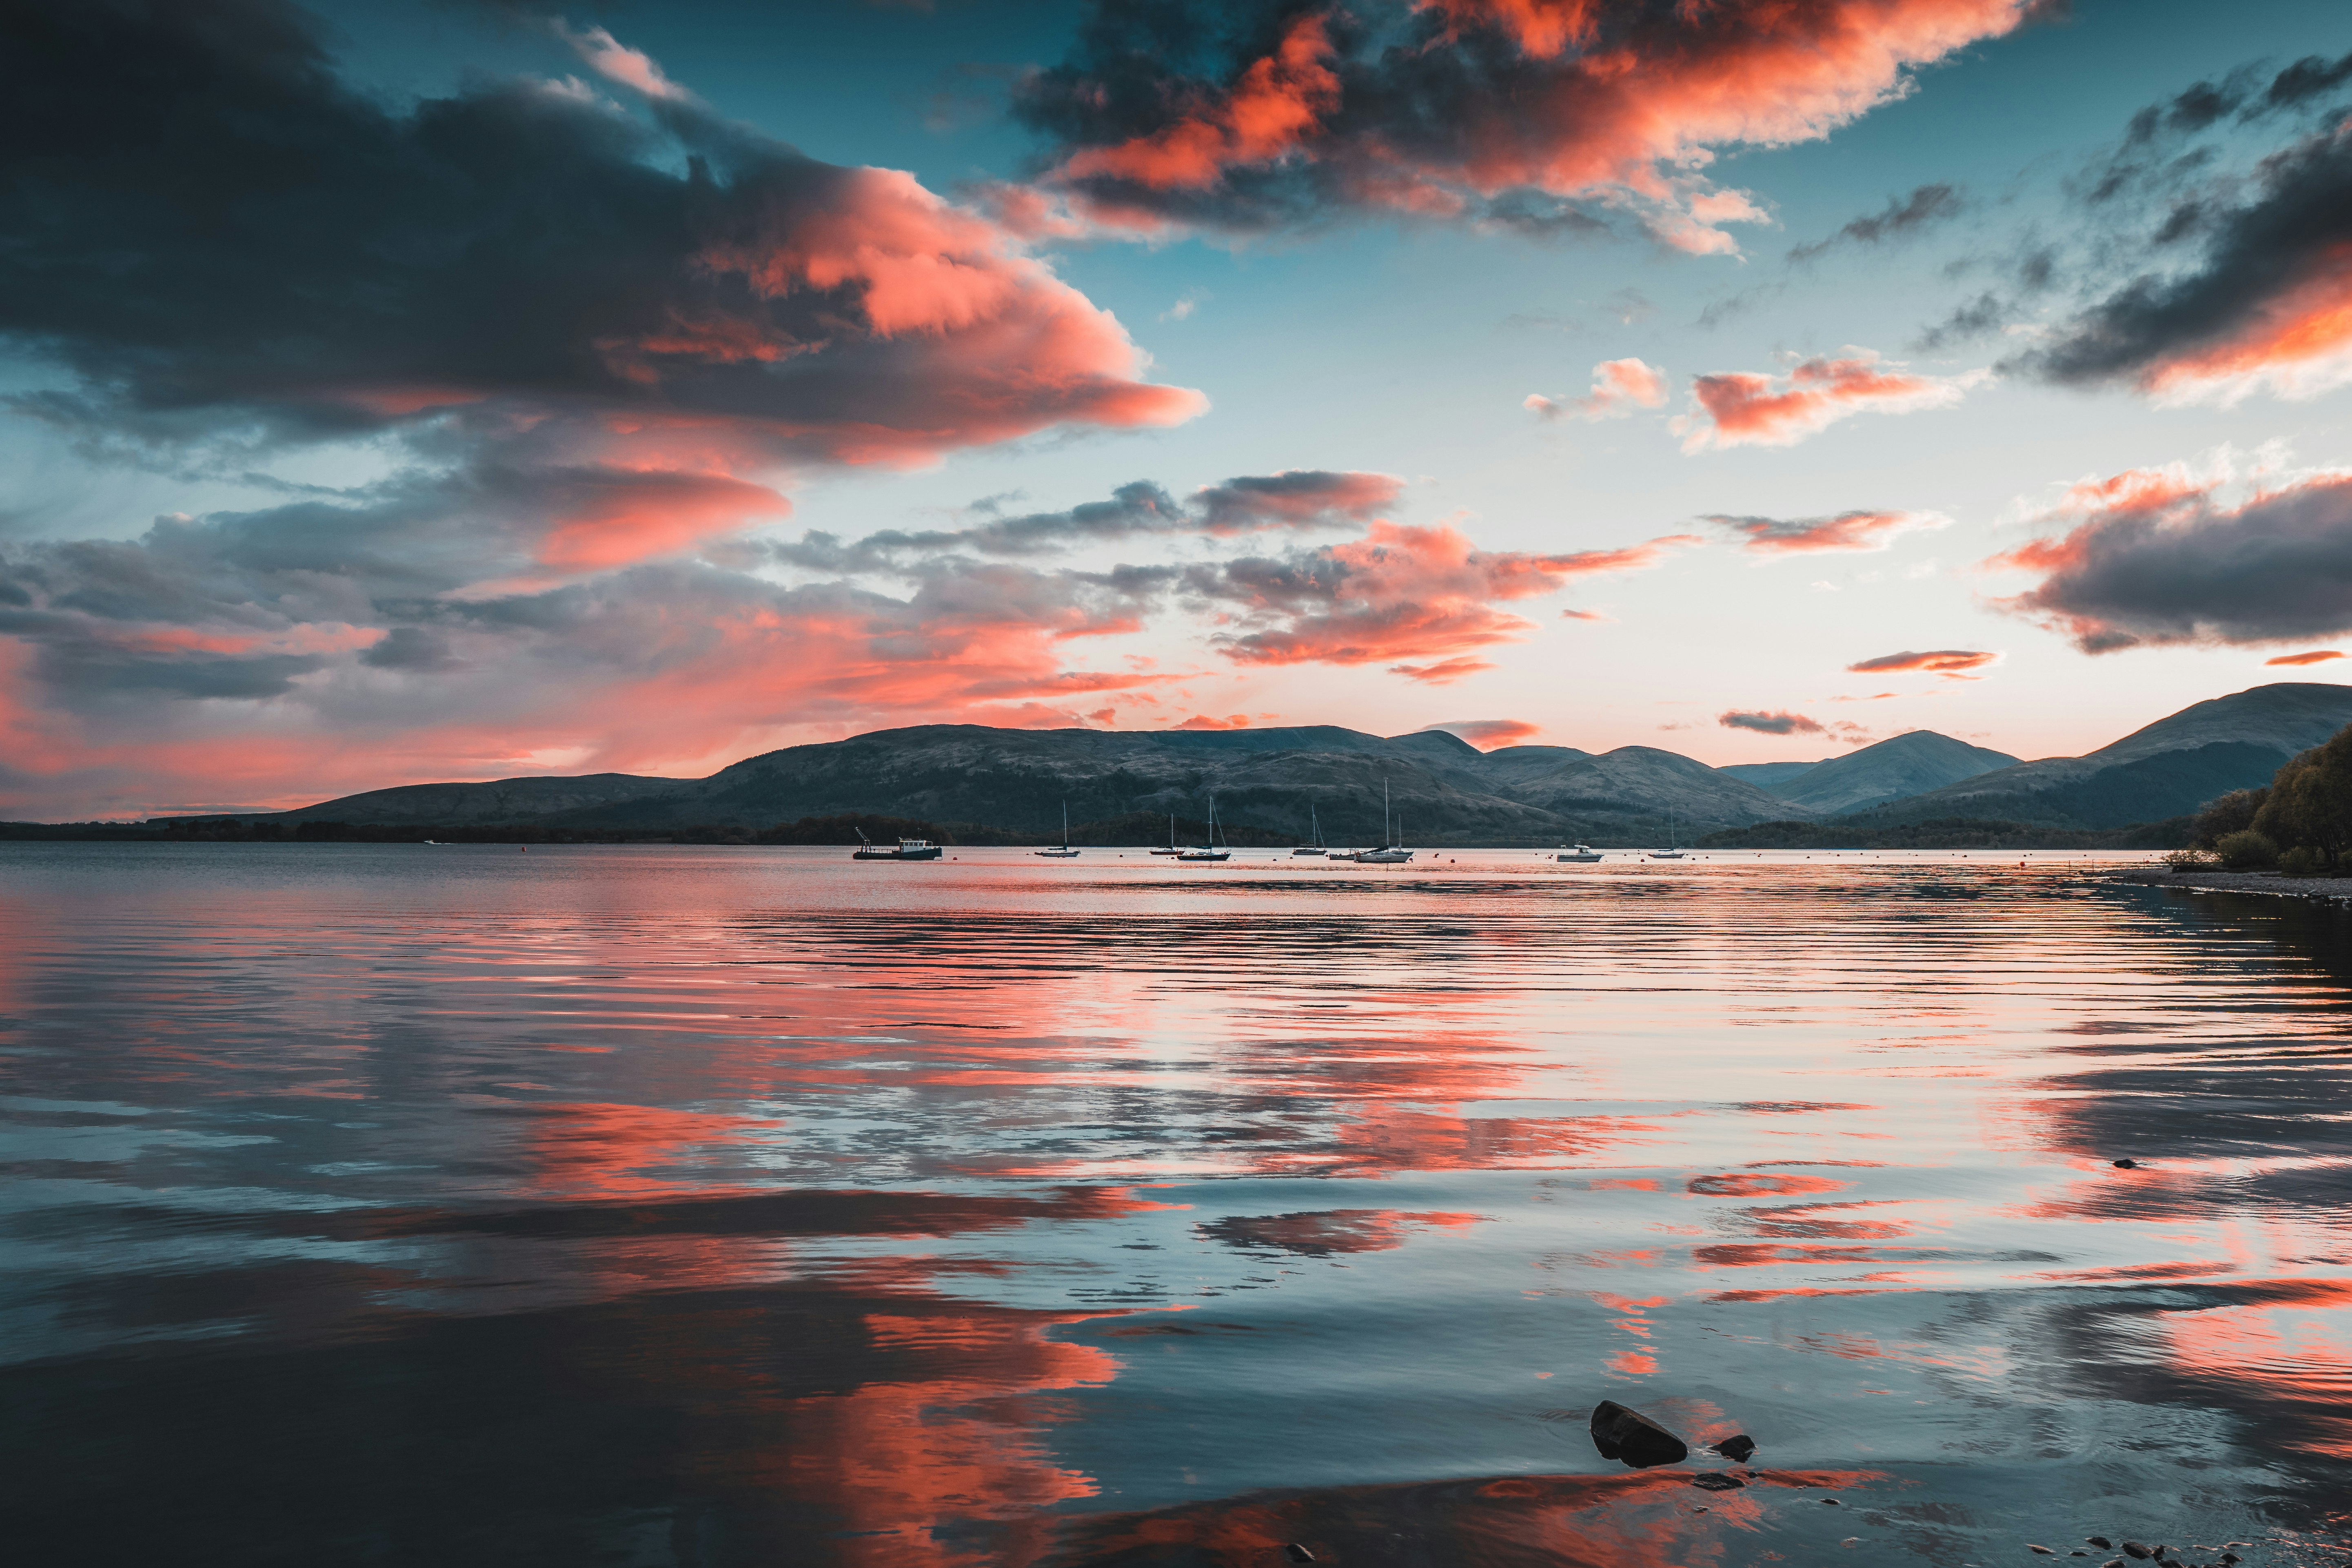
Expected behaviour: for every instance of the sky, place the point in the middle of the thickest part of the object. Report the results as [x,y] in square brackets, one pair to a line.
[391,394]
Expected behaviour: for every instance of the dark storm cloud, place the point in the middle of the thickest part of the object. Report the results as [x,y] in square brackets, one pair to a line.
[2157,561]
[1298,499]
[214,233]
[2309,78]
[2254,306]
[1259,114]
[1771,722]
[1902,218]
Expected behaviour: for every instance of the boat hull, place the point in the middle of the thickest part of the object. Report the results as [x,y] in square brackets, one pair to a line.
[931,853]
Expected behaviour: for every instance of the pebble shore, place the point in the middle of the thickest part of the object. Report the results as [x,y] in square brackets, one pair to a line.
[2330,888]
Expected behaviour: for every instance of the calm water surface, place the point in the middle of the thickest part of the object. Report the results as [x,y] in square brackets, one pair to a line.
[653,1206]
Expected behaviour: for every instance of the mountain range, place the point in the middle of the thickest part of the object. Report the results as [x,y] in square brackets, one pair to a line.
[1440,788]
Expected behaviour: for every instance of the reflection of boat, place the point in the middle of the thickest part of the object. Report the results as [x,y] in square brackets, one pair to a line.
[1583,853]
[1390,853]
[1061,851]
[1313,845]
[1171,849]
[908,849]
[1208,851]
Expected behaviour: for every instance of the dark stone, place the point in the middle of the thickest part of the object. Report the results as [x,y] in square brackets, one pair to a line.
[2127,1164]
[1832,1502]
[2230,1557]
[2043,1550]
[2134,1549]
[2101,1541]
[1717,1481]
[1630,1436]
[1736,1449]
[1297,1553]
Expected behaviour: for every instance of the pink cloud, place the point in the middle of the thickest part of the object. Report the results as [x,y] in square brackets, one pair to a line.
[1265,115]
[1613,103]
[1849,531]
[1441,674]
[2155,557]
[1742,409]
[1491,734]
[1397,594]
[2318,655]
[1954,662]
[1619,387]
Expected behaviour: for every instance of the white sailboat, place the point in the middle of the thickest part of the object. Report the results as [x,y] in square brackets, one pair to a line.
[1209,851]
[1313,845]
[1390,853]
[1170,848]
[1061,851]
[1673,849]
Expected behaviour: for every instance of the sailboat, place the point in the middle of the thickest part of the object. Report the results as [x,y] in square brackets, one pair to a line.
[1208,851]
[1313,845]
[1061,851]
[1170,848]
[1390,853]
[1673,851]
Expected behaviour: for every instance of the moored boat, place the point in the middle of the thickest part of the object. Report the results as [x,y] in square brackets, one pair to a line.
[1313,845]
[1584,853]
[1061,851]
[907,849]
[1209,851]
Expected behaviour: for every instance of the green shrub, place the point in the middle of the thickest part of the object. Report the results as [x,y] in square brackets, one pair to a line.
[2302,860]
[2246,850]
[2231,813]
[2190,860]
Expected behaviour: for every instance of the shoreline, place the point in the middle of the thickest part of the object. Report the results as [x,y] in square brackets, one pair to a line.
[2325,890]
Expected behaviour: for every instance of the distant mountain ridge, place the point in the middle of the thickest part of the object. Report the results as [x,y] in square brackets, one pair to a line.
[1443,789]
[1440,788]
[2169,768]
[1907,766]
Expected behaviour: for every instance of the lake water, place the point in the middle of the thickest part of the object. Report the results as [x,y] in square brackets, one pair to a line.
[675,1205]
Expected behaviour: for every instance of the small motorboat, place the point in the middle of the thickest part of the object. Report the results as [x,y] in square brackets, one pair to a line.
[1583,853]
[908,849]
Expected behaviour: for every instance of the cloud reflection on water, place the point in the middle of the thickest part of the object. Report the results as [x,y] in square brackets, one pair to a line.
[716,1206]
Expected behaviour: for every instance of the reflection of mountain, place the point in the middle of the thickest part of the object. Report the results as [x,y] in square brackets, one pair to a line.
[2169,768]
[1445,791]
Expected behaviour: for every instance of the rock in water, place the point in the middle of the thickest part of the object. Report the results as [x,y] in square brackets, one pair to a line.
[1736,1449]
[2043,1550]
[1630,1436]
[2101,1541]
[2127,1164]
[1717,1481]
[2134,1549]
